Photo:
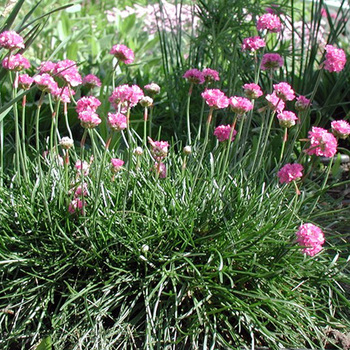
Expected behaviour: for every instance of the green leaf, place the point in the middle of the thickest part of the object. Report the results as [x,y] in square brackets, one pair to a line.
[45,344]
[10,19]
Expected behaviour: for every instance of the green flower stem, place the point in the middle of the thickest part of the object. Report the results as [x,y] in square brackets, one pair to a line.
[201,116]
[238,137]
[24,152]
[145,118]
[113,75]
[65,112]
[285,138]
[53,130]
[188,115]
[150,122]
[37,143]
[129,160]
[82,150]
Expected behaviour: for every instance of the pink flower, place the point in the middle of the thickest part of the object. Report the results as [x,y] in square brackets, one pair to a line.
[76,206]
[240,105]
[271,61]
[311,237]
[159,149]
[117,121]
[160,169]
[269,22]
[287,119]
[25,81]
[222,132]
[91,81]
[302,103]
[11,40]
[123,53]
[15,62]
[252,91]
[284,91]
[116,164]
[87,103]
[322,143]
[340,128]
[82,167]
[81,190]
[89,119]
[63,94]
[215,98]
[335,59]
[45,83]
[253,43]
[290,172]
[275,102]
[210,75]
[152,88]
[47,67]
[68,71]
[194,76]
[125,95]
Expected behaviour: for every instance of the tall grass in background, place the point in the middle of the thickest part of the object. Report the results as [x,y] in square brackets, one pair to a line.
[202,256]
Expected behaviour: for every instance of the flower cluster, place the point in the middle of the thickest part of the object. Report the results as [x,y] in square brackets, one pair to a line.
[252,91]
[86,108]
[91,81]
[269,22]
[240,105]
[287,119]
[159,149]
[47,67]
[222,132]
[15,62]
[11,40]
[322,143]
[117,121]
[68,71]
[63,94]
[311,237]
[194,76]
[89,103]
[274,102]
[271,61]
[210,75]
[45,83]
[284,91]
[290,172]
[116,164]
[152,89]
[335,59]
[25,81]
[126,96]
[253,43]
[215,98]
[123,53]
[302,103]
[340,128]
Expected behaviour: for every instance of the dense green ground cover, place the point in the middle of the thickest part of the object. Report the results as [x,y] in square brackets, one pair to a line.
[206,256]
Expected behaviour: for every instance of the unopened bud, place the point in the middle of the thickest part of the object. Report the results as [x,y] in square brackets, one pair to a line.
[187,150]
[66,142]
[145,248]
[146,101]
[138,151]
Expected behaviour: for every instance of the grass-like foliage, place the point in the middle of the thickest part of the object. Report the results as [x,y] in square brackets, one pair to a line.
[112,239]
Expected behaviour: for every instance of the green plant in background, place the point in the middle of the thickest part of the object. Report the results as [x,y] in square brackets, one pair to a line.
[110,241]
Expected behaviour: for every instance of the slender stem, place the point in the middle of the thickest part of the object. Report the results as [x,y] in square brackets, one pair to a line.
[285,138]
[150,122]
[65,112]
[201,116]
[188,115]
[25,165]
[145,117]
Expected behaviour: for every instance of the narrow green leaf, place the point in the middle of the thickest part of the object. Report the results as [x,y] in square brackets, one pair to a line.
[45,344]
[10,19]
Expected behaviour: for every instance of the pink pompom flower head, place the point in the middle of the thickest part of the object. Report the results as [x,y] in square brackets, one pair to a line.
[302,103]
[222,132]
[287,119]
[290,172]
[68,71]
[126,96]
[340,128]
[159,149]
[63,94]
[91,81]
[47,67]
[335,59]
[215,98]
[322,143]
[117,164]
[123,53]
[252,91]
[240,105]
[45,83]
[15,63]
[87,103]
[194,76]
[284,91]
[270,22]
[89,119]
[311,237]
[210,75]
[152,89]
[11,40]
[274,102]
[253,43]
[25,81]
[117,121]
[271,61]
